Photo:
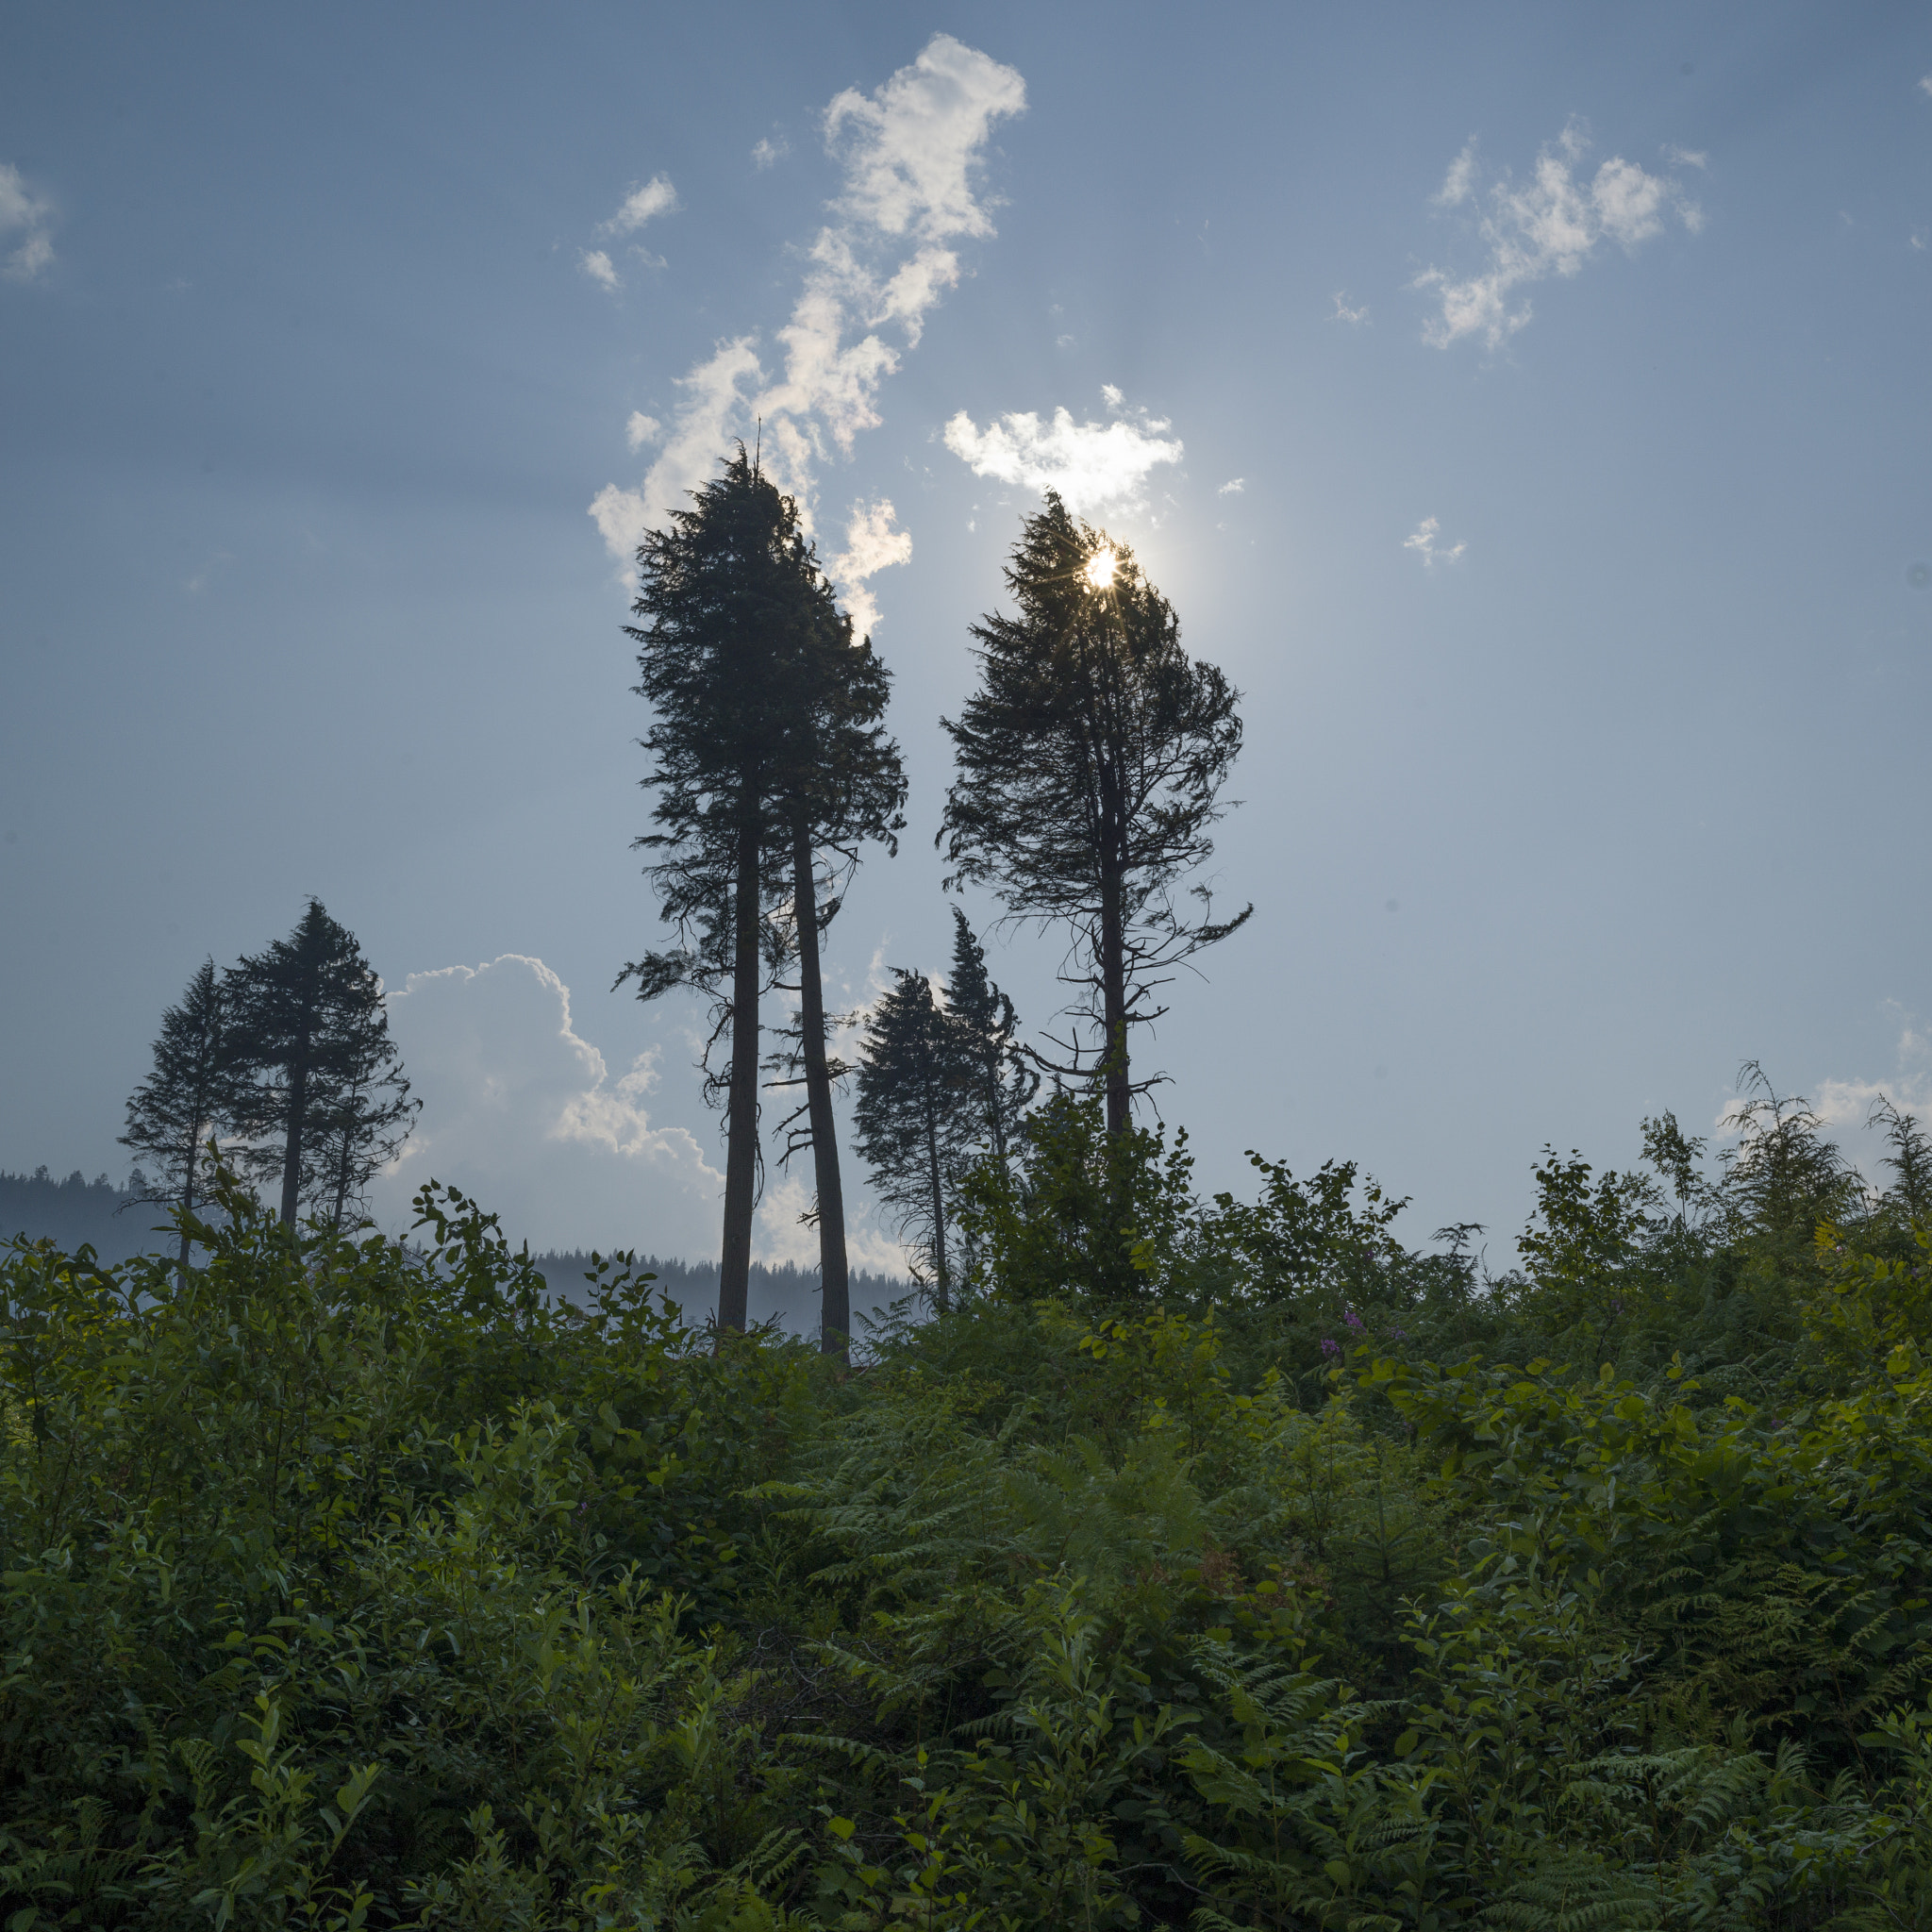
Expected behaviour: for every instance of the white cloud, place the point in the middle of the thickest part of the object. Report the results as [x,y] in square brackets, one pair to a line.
[712,412]
[782,1235]
[27,215]
[641,429]
[769,153]
[1845,1102]
[1233,487]
[1550,227]
[1423,544]
[873,543]
[1111,395]
[656,197]
[1685,156]
[596,264]
[1926,83]
[909,153]
[1096,467]
[1353,317]
[522,1112]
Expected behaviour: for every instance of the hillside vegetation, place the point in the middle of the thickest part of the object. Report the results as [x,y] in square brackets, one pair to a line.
[1215,1561]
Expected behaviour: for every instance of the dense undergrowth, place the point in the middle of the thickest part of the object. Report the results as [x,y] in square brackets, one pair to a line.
[1218,1562]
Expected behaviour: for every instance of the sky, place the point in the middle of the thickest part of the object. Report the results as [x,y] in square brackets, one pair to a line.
[1527,407]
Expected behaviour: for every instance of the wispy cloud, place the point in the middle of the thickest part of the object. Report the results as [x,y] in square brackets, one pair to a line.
[1353,317]
[769,153]
[641,429]
[644,204]
[874,542]
[1925,84]
[1233,487]
[1423,543]
[596,264]
[1848,1103]
[1549,227]
[910,153]
[26,220]
[1096,467]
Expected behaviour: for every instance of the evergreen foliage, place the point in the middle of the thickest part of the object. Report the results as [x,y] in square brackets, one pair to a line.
[314,1091]
[1231,1566]
[767,750]
[910,1123]
[1091,762]
[940,1084]
[187,1099]
[1002,1081]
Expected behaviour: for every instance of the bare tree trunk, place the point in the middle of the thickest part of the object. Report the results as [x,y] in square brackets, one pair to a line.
[298,1106]
[741,1129]
[943,1298]
[835,1318]
[341,1185]
[187,1202]
[1113,979]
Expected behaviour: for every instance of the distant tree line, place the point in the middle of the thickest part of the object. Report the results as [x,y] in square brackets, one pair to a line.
[284,1060]
[1090,764]
[74,1211]
[694,1285]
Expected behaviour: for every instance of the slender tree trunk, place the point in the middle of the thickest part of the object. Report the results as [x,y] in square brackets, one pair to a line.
[835,1318]
[1113,981]
[342,1183]
[298,1107]
[943,1298]
[187,1202]
[741,1130]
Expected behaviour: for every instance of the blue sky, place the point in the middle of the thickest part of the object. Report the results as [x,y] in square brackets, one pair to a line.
[1570,365]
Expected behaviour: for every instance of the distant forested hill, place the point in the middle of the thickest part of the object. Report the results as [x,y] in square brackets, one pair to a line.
[109,1219]
[789,1294]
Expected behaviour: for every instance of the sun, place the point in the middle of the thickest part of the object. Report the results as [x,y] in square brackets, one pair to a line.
[1099,571]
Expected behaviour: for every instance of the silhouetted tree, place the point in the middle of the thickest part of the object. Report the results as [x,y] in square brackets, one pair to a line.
[306,1026]
[186,1100]
[913,1116]
[940,1084]
[1909,1196]
[1091,762]
[987,1033]
[845,784]
[368,1117]
[729,604]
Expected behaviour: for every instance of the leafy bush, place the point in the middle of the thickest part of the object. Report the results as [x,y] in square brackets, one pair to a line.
[1211,1565]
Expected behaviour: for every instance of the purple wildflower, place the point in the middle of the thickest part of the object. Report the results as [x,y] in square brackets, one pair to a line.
[1352,1319]
[1330,1347]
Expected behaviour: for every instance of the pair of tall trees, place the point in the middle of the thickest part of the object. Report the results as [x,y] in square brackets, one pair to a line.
[941,1082]
[287,1055]
[772,767]
[1091,764]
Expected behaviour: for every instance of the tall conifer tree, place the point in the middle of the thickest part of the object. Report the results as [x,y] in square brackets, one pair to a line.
[914,1118]
[309,1051]
[988,1033]
[1091,764]
[727,607]
[187,1099]
[845,785]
